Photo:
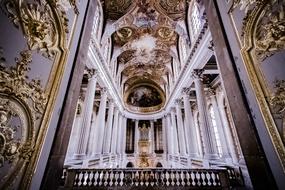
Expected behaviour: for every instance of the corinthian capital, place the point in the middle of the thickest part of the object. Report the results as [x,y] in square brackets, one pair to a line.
[197,74]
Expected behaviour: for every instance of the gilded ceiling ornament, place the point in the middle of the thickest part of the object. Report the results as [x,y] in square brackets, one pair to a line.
[175,9]
[13,81]
[114,9]
[270,36]
[37,23]
[124,35]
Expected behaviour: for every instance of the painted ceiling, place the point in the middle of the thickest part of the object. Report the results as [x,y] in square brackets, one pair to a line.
[146,38]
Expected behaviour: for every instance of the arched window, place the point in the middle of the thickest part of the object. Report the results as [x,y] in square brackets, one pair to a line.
[215,130]
[195,19]
[130,165]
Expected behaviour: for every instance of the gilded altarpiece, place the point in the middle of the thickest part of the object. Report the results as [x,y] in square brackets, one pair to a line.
[261,35]
[35,37]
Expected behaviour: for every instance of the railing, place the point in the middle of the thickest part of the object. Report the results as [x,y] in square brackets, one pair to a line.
[123,178]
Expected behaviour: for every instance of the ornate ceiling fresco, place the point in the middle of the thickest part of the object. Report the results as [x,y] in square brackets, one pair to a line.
[146,39]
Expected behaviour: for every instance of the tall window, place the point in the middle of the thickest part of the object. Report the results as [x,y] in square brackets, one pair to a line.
[215,129]
[195,19]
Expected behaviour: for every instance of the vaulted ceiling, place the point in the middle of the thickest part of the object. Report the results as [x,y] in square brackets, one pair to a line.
[145,39]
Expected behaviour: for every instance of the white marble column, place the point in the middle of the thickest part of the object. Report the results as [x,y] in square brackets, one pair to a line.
[220,127]
[174,133]
[72,145]
[207,135]
[92,133]
[86,115]
[164,139]
[124,135]
[136,143]
[191,138]
[151,131]
[114,131]
[119,134]
[180,127]
[108,130]
[98,141]
[228,132]
[170,135]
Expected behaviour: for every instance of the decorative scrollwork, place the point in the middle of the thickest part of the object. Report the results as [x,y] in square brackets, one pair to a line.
[9,146]
[38,24]
[271,33]
[13,81]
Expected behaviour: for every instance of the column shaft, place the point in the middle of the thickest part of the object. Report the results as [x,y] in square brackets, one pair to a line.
[136,145]
[174,133]
[86,120]
[108,133]
[124,135]
[151,130]
[180,127]
[207,135]
[98,141]
[114,131]
[189,127]
[169,135]
[220,127]
[119,134]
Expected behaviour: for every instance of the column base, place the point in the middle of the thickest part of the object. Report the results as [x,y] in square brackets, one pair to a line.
[79,156]
[211,156]
[193,155]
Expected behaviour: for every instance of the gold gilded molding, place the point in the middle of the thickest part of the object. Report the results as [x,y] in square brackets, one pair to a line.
[250,59]
[32,19]
[13,81]
[22,99]
[270,36]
